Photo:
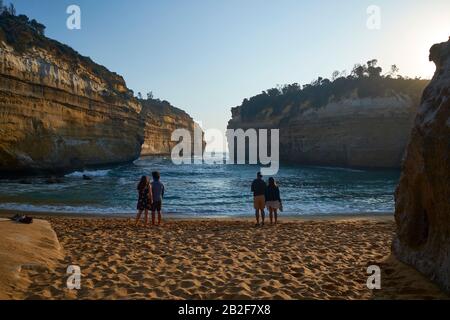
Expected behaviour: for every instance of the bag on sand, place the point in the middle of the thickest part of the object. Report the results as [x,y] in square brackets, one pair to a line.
[26,220]
[22,219]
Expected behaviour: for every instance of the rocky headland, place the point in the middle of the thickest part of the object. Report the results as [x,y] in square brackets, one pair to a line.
[361,120]
[422,208]
[161,120]
[60,111]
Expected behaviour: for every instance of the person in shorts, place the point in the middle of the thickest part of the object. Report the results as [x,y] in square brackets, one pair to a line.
[259,199]
[158,194]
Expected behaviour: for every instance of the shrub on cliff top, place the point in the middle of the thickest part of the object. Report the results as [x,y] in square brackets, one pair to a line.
[23,34]
[161,108]
[364,81]
[7,9]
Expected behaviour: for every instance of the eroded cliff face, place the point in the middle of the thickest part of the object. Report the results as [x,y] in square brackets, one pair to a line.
[351,131]
[422,208]
[369,132]
[60,111]
[161,120]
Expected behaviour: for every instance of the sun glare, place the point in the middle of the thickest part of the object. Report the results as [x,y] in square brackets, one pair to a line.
[437,31]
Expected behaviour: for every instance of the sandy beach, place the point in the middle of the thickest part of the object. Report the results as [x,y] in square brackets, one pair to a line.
[307,258]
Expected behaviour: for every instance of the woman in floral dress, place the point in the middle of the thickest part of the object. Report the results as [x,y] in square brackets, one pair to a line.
[145,199]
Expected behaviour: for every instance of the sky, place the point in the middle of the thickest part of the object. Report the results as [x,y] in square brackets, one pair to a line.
[206,56]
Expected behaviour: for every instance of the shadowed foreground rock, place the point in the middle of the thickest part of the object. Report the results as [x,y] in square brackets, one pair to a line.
[423,195]
[26,250]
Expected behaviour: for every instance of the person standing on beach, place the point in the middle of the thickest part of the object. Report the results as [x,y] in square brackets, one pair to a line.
[158,195]
[273,200]
[145,199]
[259,200]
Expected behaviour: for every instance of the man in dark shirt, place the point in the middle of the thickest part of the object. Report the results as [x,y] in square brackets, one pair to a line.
[158,195]
[259,201]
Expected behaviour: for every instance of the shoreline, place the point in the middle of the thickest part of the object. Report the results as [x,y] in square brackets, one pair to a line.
[5,213]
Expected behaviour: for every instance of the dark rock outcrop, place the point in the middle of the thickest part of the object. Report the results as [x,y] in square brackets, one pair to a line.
[422,208]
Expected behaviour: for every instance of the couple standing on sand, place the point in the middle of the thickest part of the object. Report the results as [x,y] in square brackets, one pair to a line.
[266,196]
[150,198]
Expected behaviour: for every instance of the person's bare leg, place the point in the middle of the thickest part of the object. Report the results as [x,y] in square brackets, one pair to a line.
[257,216]
[153,217]
[271,215]
[138,217]
[146,217]
[159,218]
[263,216]
[276,216]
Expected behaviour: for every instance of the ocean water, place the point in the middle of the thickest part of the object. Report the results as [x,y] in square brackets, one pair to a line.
[206,190]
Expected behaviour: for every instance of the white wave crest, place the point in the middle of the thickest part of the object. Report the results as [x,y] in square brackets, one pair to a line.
[93,173]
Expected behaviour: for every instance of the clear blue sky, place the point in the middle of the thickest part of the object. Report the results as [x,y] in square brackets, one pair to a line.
[206,56]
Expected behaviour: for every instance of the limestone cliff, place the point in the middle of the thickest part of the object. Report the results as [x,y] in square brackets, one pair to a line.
[59,110]
[422,208]
[161,119]
[348,122]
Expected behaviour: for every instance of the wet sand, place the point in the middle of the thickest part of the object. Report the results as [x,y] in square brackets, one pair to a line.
[308,258]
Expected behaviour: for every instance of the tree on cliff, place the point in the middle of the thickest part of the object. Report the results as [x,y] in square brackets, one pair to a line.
[335,75]
[367,70]
[38,27]
[394,70]
[359,71]
[273,92]
[10,10]
[21,19]
[365,80]
[372,69]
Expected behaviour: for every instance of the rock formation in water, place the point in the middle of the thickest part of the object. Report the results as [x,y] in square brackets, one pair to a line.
[161,119]
[422,208]
[361,120]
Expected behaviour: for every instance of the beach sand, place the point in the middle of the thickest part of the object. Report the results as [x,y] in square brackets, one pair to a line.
[227,259]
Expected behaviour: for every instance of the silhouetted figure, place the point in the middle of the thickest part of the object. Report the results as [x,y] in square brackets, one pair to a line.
[158,195]
[273,200]
[259,200]
[145,199]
